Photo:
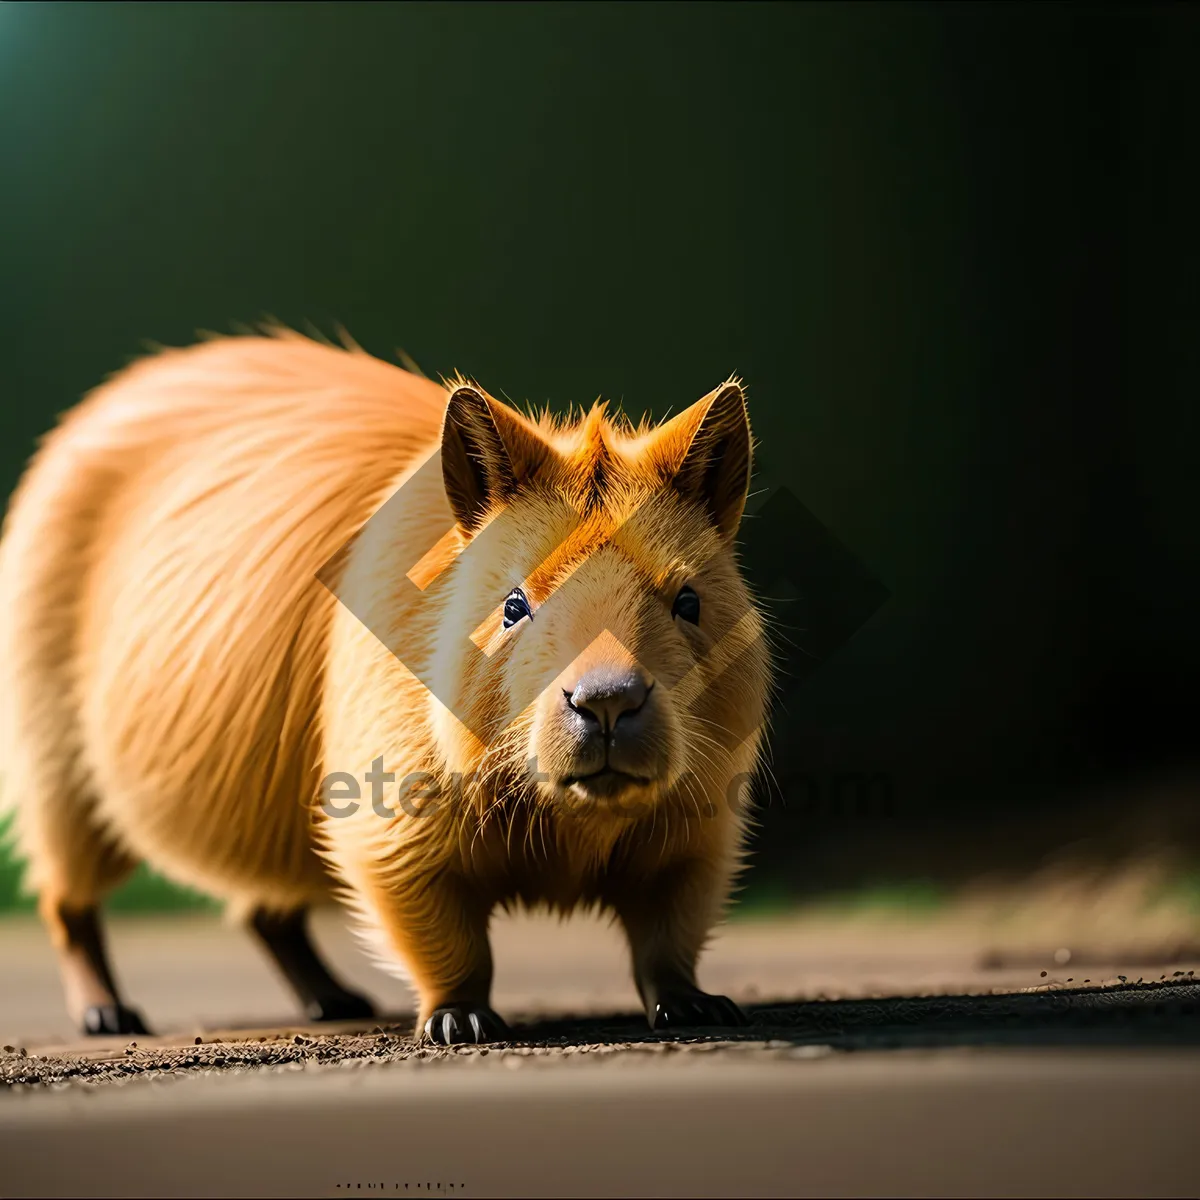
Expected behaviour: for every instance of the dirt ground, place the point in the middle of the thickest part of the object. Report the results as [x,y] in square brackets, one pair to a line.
[881,1059]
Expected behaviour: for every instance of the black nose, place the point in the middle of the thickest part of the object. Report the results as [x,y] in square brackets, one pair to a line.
[606,695]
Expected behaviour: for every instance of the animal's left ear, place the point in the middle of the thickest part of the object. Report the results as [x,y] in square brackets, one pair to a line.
[707,452]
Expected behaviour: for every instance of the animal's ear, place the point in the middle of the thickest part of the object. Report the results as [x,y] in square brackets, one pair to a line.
[488,451]
[706,452]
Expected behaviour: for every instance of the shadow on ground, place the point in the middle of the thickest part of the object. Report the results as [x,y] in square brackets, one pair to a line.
[1144,1013]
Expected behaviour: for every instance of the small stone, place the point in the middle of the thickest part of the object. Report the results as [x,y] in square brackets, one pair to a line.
[811,1051]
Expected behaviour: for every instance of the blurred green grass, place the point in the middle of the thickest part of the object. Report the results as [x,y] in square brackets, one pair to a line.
[771,897]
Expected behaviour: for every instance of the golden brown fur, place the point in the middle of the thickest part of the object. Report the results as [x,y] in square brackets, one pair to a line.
[178,683]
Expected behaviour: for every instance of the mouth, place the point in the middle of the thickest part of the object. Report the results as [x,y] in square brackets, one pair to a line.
[606,782]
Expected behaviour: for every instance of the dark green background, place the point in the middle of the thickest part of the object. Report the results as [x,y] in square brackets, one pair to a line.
[952,249]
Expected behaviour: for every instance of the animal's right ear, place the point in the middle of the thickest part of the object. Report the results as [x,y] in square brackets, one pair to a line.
[488,451]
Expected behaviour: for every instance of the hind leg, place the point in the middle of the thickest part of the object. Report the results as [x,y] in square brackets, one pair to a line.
[285,939]
[72,865]
[91,992]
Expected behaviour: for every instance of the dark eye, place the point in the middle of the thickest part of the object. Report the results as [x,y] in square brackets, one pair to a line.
[687,606]
[516,608]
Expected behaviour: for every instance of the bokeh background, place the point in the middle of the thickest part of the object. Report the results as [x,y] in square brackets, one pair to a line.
[952,249]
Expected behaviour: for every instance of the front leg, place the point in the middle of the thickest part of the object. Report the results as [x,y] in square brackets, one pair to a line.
[439,927]
[668,920]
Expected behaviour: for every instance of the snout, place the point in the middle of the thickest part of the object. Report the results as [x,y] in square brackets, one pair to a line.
[605,696]
[614,723]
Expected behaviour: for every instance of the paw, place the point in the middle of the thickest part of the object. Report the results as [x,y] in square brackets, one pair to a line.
[456,1023]
[681,1009]
[340,1006]
[101,1019]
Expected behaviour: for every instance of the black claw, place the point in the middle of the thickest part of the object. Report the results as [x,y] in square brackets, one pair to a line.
[730,1012]
[695,1008]
[342,1006]
[102,1019]
[455,1024]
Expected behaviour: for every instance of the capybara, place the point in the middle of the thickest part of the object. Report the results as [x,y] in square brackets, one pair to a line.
[289,623]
